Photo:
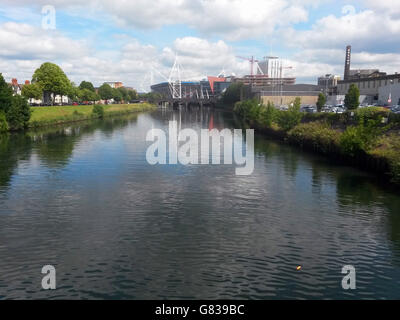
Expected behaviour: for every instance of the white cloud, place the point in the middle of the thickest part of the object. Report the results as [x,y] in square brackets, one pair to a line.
[23,41]
[23,48]
[230,19]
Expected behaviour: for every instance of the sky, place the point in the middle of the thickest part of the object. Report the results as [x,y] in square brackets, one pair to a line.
[136,41]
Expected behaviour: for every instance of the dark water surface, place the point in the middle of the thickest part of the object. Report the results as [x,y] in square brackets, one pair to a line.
[84,199]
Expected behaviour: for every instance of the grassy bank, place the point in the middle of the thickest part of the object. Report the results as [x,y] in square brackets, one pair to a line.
[46,116]
[366,138]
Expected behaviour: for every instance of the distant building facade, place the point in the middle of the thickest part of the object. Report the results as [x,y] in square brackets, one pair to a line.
[308,93]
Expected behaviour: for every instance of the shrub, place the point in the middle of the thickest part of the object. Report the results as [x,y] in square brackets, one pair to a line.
[3,123]
[249,109]
[19,113]
[320,136]
[98,111]
[289,119]
[268,115]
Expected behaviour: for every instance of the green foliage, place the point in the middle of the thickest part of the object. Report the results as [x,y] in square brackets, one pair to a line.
[117,95]
[5,95]
[3,123]
[106,92]
[98,111]
[52,79]
[321,101]
[232,94]
[151,97]
[32,91]
[352,99]
[249,110]
[88,95]
[86,85]
[268,115]
[317,135]
[289,119]
[19,113]
[361,138]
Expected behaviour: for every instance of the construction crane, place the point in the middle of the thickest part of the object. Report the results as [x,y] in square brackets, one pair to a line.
[252,62]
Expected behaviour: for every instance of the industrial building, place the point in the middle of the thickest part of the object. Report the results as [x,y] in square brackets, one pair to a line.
[308,93]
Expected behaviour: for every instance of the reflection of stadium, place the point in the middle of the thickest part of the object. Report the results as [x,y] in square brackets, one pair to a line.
[205,89]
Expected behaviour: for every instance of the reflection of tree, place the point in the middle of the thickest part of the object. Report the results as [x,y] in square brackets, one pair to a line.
[316,178]
[13,148]
[355,189]
[54,145]
[392,203]
[55,149]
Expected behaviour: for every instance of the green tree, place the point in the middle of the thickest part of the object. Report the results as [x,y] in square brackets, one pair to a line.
[124,93]
[3,122]
[117,95]
[52,80]
[106,92]
[287,120]
[19,113]
[87,85]
[88,95]
[232,94]
[352,99]
[5,95]
[132,95]
[32,91]
[321,101]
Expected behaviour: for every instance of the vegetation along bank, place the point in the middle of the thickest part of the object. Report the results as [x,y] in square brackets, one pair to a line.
[368,138]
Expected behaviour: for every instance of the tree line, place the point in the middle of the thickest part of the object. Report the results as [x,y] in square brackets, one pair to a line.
[48,81]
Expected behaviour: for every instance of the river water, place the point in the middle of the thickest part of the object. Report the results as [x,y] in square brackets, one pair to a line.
[84,199]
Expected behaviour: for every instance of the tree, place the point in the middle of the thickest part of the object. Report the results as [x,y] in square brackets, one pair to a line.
[232,94]
[32,91]
[19,113]
[321,101]
[117,95]
[3,122]
[124,93]
[5,95]
[87,85]
[106,92]
[352,99]
[52,79]
[289,119]
[88,95]
[132,94]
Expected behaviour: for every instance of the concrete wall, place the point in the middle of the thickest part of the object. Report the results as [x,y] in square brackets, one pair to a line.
[384,93]
[339,99]
[286,100]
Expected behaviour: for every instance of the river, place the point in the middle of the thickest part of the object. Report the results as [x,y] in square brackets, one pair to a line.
[84,199]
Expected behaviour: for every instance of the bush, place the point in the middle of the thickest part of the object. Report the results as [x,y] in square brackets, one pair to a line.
[287,120]
[268,115]
[3,123]
[19,113]
[249,110]
[98,111]
[320,136]
[361,138]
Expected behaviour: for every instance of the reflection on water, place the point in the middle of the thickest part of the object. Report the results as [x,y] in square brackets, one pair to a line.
[84,199]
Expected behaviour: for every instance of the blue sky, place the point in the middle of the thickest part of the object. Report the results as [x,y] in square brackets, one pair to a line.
[130,40]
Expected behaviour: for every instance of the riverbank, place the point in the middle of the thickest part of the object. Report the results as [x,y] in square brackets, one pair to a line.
[366,138]
[47,116]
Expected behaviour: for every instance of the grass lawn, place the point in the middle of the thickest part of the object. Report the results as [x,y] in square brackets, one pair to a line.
[42,116]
